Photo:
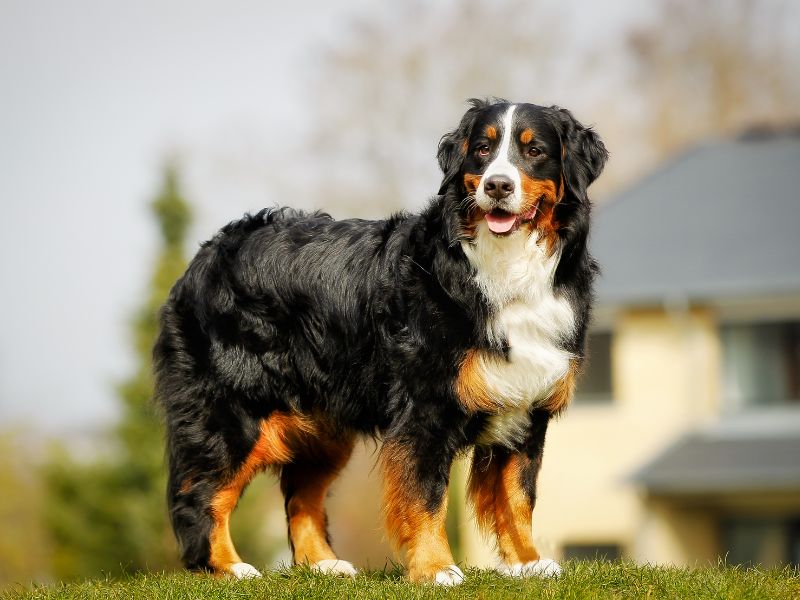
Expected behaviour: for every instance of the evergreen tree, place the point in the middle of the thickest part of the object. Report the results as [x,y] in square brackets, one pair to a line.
[108,515]
[140,433]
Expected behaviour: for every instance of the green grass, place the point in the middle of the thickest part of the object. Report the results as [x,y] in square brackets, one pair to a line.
[579,580]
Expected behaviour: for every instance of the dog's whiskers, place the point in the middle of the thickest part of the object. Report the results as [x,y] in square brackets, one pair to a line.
[467,201]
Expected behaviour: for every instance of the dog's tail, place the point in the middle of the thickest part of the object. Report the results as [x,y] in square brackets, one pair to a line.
[190,472]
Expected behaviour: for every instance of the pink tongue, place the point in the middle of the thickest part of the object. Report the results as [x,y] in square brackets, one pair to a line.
[500,223]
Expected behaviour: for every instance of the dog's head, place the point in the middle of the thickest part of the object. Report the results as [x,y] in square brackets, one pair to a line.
[520,166]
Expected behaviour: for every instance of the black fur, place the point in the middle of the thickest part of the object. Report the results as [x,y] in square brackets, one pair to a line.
[364,322]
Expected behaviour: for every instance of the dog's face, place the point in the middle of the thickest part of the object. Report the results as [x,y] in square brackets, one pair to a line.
[513,164]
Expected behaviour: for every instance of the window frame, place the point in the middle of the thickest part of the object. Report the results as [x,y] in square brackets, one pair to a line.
[730,402]
[598,399]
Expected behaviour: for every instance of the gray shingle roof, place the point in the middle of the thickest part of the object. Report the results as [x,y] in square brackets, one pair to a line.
[748,454]
[720,221]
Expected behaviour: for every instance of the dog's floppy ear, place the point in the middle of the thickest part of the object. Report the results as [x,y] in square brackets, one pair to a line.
[583,153]
[453,145]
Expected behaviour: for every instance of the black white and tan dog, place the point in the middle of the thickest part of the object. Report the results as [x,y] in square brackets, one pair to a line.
[462,327]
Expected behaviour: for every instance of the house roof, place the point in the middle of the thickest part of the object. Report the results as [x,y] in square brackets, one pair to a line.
[720,221]
[754,452]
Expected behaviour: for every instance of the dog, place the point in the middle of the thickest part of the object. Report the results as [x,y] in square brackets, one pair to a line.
[462,327]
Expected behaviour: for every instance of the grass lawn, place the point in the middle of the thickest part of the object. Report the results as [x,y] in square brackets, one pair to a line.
[579,580]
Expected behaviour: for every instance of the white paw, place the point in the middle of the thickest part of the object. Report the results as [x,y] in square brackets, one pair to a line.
[244,571]
[544,567]
[334,566]
[452,575]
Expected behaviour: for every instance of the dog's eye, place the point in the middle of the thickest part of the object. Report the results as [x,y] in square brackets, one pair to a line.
[534,151]
[483,150]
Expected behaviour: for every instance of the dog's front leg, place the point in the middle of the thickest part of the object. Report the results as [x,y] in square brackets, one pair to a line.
[415,480]
[502,490]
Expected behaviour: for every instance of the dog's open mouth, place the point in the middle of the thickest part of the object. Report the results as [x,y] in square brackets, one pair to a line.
[501,222]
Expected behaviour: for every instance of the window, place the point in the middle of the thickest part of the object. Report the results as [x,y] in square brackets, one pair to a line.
[592,552]
[765,542]
[794,542]
[761,364]
[594,384]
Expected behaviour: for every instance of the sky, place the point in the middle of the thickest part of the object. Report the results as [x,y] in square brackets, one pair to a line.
[94,96]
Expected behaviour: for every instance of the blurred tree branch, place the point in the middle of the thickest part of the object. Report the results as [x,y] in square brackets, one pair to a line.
[400,80]
[714,68]
[396,80]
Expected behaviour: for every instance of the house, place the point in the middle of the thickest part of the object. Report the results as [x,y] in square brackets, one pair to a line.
[683,444]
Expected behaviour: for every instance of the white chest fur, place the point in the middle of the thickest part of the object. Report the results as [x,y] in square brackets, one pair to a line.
[516,276]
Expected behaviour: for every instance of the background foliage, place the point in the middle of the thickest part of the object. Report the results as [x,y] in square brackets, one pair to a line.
[107,513]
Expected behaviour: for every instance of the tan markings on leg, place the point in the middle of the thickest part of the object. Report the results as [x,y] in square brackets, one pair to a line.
[502,506]
[186,485]
[408,521]
[483,477]
[223,552]
[279,434]
[309,481]
[564,390]
[470,385]
[514,516]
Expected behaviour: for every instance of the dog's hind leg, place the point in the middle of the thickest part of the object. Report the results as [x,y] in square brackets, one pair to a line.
[188,500]
[202,502]
[415,507]
[200,506]
[304,483]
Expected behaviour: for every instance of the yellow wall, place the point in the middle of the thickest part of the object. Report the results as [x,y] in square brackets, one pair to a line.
[665,378]
[677,535]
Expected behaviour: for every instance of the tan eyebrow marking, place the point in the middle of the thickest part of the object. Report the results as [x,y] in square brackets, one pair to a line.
[491,132]
[526,137]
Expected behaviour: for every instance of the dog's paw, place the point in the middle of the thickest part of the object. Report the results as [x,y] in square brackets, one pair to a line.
[544,567]
[334,566]
[452,575]
[244,571]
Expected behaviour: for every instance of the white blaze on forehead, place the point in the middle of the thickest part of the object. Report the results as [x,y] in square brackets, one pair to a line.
[501,165]
[501,160]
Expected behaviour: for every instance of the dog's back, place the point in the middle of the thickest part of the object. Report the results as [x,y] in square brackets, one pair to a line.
[272,306]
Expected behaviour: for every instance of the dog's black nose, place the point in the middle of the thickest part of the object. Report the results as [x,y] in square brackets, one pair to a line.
[498,186]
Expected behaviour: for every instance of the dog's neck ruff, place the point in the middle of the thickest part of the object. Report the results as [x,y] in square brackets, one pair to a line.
[514,268]
[515,274]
